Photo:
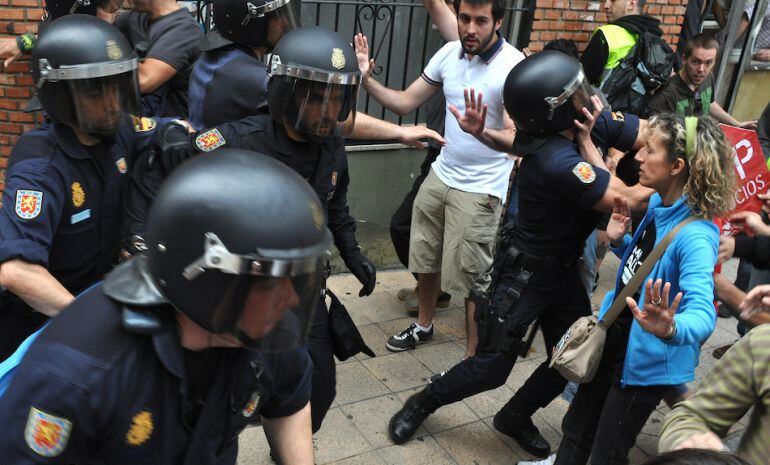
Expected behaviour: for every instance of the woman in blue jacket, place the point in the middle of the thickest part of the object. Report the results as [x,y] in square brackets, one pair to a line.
[650,349]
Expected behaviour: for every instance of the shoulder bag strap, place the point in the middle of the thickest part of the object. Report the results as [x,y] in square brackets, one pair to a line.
[641,274]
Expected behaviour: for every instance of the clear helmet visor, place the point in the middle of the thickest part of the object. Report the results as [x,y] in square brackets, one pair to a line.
[269,314]
[578,94]
[103,105]
[280,21]
[313,107]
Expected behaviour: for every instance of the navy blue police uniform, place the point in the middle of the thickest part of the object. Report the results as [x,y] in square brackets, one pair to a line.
[226,84]
[63,210]
[91,390]
[324,164]
[558,190]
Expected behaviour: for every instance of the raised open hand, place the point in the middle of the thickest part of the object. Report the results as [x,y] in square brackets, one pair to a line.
[365,64]
[475,116]
[657,316]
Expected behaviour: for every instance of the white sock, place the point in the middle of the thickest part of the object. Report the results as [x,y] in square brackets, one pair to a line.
[422,328]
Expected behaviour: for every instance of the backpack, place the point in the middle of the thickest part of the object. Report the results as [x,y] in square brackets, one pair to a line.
[639,74]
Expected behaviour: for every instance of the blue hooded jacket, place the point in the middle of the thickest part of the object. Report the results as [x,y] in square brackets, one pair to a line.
[688,264]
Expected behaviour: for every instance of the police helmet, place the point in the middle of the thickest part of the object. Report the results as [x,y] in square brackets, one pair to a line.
[237,242]
[314,81]
[253,23]
[85,74]
[544,93]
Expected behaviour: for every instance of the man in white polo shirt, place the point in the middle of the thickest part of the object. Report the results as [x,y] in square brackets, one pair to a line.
[457,209]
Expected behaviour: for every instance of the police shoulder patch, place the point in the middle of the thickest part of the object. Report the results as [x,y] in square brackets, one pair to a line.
[28,204]
[141,429]
[209,140]
[143,124]
[47,435]
[584,172]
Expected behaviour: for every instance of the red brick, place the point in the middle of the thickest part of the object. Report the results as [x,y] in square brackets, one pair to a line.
[18,92]
[9,104]
[17,67]
[3,116]
[25,80]
[34,14]
[10,128]
[20,117]
[26,2]
[570,15]
[552,14]
[539,25]
[548,36]
[5,151]
[654,10]
[540,14]
[544,4]
[5,139]
[12,13]
[669,20]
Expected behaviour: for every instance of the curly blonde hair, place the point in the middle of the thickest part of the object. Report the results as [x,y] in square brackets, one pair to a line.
[710,183]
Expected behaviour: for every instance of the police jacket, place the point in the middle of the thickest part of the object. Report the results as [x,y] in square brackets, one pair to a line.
[323,163]
[63,201]
[226,84]
[90,391]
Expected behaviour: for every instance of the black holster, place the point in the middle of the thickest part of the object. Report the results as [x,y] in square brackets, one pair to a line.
[498,330]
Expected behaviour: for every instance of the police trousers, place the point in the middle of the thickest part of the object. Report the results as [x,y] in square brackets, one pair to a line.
[557,297]
[324,382]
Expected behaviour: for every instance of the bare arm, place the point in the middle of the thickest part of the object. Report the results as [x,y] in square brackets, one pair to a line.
[717,112]
[473,121]
[369,128]
[400,102]
[153,73]
[35,285]
[726,291]
[443,18]
[291,437]
[637,195]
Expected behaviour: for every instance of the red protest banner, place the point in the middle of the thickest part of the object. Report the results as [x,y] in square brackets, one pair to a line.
[750,170]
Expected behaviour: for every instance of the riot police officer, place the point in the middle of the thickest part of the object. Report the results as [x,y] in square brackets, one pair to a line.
[229,80]
[312,96]
[563,187]
[213,315]
[65,179]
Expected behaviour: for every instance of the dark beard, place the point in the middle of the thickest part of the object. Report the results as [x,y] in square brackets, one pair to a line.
[482,45]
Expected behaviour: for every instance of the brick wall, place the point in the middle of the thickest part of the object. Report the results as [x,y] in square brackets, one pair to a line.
[16,17]
[577,19]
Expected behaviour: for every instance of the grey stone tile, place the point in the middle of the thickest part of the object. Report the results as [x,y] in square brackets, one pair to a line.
[393,280]
[647,443]
[724,333]
[439,357]
[476,444]
[398,371]
[380,306]
[374,337]
[421,451]
[488,403]
[253,448]
[371,418]
[338,439]
[368,458]
[637,456]
[355,382]
[553,413]
[451,323]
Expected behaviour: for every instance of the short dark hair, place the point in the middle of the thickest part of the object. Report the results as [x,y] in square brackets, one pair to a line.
[498,6]
[566,46]
[696,457]
[703,40]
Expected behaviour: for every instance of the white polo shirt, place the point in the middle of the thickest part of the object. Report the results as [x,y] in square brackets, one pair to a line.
[465,163]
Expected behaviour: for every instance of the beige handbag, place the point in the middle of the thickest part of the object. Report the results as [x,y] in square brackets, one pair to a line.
[579,351]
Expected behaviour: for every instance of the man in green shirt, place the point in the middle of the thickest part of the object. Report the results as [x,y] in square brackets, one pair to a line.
[690,92]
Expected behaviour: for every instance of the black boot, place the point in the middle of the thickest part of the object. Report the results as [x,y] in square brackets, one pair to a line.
[406,421]
[523,431]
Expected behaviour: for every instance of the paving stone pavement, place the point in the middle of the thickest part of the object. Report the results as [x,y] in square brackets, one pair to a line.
[371,390]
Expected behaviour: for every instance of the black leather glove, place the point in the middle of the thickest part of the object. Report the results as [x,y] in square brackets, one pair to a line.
[364,271]
[173,146]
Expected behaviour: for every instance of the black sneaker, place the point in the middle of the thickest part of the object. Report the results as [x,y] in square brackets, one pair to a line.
[405,422]
[409,338]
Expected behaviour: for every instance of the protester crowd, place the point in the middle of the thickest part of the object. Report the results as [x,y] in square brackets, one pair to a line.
[158,298]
